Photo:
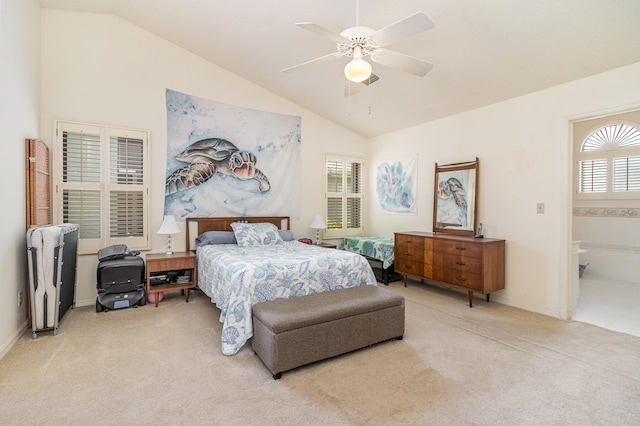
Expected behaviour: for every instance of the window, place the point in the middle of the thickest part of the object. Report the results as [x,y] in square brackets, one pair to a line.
[101,184]
[609,163]
[343,196]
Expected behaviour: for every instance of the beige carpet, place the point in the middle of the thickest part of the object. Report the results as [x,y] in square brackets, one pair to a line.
[490,364]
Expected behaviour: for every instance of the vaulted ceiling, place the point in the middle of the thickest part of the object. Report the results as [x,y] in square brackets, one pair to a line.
[483,51]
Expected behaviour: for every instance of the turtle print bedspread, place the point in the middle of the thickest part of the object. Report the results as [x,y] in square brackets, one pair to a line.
[235,278]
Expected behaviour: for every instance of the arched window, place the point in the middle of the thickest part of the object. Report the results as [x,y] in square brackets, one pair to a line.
[609,163]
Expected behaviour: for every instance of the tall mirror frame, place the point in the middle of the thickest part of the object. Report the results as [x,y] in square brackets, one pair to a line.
[455,202]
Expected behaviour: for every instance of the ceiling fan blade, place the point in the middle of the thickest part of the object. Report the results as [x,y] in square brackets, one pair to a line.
[401,62]
[411,25]
[328,34]
[321,59]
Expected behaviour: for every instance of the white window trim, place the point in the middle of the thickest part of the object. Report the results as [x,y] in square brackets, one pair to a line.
[91,246]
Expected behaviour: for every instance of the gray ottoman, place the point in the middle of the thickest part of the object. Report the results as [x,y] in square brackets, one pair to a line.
[289,333]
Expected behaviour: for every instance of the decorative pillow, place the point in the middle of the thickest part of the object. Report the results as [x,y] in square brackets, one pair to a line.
[256,234]
[216,237]
[286,235]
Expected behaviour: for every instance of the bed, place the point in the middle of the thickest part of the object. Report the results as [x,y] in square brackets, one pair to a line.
[241,261]
[378,249]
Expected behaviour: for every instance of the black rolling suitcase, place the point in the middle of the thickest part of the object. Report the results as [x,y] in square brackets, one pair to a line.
[121,279]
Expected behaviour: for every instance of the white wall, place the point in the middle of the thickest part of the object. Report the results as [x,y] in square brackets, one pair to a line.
[524,149]
[612,247]
[101,69]
[19,97]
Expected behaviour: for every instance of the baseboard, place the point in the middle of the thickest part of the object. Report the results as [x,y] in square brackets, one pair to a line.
[6,347]
[528,307]
[85,302]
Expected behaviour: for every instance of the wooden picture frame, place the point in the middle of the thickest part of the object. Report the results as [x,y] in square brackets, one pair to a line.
[455,198]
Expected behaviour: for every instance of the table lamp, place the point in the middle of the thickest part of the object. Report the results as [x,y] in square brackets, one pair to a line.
[318,224]
[168,227]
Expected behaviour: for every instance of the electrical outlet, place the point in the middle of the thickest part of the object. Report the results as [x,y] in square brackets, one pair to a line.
[19,298]
[540,208]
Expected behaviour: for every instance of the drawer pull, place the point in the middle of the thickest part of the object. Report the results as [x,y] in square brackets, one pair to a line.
[460,263]
[460,248]
[461,279]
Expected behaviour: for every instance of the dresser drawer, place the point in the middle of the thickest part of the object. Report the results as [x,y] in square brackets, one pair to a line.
[408,254]
[462,263]
[171,263]
[464,279]
[413,242]
[409,267]
[459,248]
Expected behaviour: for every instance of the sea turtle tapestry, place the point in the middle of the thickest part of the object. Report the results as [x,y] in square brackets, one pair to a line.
[396,185]
[226,160]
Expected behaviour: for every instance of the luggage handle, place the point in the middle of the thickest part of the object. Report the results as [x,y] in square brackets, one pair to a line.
[116,251]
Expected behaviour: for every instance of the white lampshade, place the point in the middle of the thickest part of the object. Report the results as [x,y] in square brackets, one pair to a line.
[358,70]
[168,227]
[318,223]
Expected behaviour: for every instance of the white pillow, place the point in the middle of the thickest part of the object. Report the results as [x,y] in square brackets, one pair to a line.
[256,234]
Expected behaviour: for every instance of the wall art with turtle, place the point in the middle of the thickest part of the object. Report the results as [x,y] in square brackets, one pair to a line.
[226,160]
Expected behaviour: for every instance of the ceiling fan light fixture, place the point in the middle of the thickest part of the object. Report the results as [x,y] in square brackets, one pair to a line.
[358,70]
[358,42]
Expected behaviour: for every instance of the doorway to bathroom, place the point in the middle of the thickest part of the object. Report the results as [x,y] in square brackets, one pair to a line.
[606,220]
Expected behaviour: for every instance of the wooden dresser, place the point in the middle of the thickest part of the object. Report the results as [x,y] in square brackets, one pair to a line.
[472,264]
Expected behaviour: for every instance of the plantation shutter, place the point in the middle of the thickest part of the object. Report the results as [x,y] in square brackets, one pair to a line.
[354,195]
[81,174]
[101,185]
[334,216]
[593,176]
[126,194]
[626,174]
[343,196]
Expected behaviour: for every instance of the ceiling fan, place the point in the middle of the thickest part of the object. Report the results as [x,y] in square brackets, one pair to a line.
[361,42]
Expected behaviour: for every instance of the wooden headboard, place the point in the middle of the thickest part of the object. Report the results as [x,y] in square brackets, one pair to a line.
[198,225]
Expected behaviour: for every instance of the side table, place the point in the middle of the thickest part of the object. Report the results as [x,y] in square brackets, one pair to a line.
[179,261]
[327,245]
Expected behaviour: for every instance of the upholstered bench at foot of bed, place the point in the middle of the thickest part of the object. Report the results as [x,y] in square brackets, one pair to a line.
[289,333]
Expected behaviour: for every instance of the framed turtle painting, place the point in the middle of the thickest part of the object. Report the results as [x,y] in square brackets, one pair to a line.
[456,198]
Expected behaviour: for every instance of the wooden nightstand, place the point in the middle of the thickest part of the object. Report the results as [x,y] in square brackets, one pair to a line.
[327,245]
[158,263]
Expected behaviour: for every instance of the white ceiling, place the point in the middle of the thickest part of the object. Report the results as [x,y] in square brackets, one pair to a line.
[483,51]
